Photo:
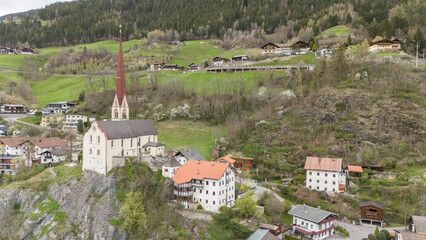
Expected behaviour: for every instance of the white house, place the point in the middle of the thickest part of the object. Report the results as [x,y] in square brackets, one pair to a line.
[106,139]
[312,223]
[325,174]
[54,156]
[71,120]
[210,184]
[186,154]
[170,167]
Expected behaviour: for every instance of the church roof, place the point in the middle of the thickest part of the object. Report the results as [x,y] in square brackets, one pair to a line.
[127,129]
[120,82]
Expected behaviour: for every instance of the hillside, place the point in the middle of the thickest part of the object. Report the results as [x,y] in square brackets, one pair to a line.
[213,19]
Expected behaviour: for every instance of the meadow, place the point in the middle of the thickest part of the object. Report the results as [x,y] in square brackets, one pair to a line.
[336,31]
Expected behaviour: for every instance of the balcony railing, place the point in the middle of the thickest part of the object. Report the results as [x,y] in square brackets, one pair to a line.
[183,194]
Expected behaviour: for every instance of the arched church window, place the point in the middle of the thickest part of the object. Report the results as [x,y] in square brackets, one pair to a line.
[124,114]
[115,113]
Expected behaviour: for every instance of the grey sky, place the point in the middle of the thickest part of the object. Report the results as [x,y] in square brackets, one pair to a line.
[14,6]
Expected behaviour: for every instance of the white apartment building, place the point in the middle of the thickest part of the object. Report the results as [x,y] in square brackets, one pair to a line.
[107,139]
[170,167]
[54,156]
[325,174]
[312,223]
[71,120]
[210,184]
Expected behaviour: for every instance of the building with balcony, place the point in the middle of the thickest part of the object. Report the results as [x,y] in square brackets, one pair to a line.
[210,184]
[8,163]
[13,108]
[312,223]
[53,156]
[371,212]
[325,174]
[70,120]
[52,121]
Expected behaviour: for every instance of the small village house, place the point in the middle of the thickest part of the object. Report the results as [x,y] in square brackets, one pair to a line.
[302,44]
[53,156]
[371,212]
[240,58]
[27,51]
[157,66]
[13,108]
[243,163]
[219,61]
[263,234]
[417,224]
[385,45]
[154,148]
[210,184]
[325,174]
[194,67]
[269,48]
[63,106]
[312,223]
[184,155]
[172,67]
[354,171]
[70,120]
[170,166]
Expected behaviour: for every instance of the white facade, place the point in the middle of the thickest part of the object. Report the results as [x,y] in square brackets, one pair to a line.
[71,120]
[51,158]
[316,229]
[324,180]
[98,151]
[181,159]
[168,172]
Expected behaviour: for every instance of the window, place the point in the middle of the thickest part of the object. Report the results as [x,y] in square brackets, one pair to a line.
[207,201]
[334,189]
[214,184]
[214,202]
[317,188]
[131,142]
[139,141]
[122,142]
[214,193]
[112,143]
[201,191]
[334,182]
[310,187]
[317,181]
[166,170]
[317,173]
[310,180]
[303,223]
[334,175]
[310,173]
[91,139]
[325,189]
[90,151]
[325,182]
[312,226]
[98,152]
[99,139]
[207,191]
[207,183]
[326,174]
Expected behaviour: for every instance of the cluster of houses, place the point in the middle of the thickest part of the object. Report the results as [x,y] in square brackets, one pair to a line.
[12,51]
[66,121]
[217,62]
[297,48]
[30,151]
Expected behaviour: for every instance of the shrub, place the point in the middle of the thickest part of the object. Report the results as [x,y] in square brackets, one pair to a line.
[381,236]
[340,106]
[371,237]
[343,231]
[289,237]
[388,237]
[38,113]
[199,207]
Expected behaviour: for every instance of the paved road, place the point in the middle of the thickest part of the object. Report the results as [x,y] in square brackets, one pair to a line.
[258,190]
[358,232]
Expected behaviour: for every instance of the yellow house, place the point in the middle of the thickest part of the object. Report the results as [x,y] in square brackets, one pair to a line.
[50,120]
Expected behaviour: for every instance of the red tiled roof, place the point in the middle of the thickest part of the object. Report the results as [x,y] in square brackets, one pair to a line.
[357,169]
[323,164]
[194,169]
[227,158]
[39,142]
[14,141]
[120,82]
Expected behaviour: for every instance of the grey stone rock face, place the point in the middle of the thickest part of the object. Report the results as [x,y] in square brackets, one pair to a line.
[89,204]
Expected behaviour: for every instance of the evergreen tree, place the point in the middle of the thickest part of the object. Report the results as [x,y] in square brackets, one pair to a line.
[133,214]
[348,18]
[80,126]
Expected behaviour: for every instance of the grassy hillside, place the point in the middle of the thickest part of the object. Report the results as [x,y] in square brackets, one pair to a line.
[336,31]
[187,134]
[58,88]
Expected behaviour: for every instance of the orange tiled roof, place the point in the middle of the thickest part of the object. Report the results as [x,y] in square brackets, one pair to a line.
[228,158]
[357,169]
[194,169]
[323,164]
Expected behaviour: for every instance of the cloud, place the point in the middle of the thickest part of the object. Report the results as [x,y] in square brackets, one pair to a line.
[15,6]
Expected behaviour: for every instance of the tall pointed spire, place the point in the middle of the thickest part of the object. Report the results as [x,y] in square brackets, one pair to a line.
[120,82]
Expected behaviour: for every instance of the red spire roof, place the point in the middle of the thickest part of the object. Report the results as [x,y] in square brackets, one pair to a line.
[120,82]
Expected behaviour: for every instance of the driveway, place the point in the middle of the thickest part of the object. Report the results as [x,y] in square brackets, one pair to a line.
[358,232]
[257,189]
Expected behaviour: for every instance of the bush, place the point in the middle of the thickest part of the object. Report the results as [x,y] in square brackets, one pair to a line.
[289,237]
[343,231]
[388,237]
[371,237]
[381,236]
[200,207]
[38,113]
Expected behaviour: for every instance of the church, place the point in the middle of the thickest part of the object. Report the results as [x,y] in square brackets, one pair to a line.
[107,143]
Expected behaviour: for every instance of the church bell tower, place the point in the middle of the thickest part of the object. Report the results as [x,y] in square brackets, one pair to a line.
[120,108]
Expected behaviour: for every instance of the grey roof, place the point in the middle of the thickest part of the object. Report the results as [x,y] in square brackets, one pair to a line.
[171,162]
[371,203]
[420,222]
[58,151]
[262,234]
[310,213]
[127,128]
[192,154]
[4,127]
[153,144]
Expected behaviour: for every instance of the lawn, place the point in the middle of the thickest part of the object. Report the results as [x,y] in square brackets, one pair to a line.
[32,120]
[195,52]
[186,134]
[209,81]
[300,59]
[336,31]
[13,61]
[58,88]
[6,77]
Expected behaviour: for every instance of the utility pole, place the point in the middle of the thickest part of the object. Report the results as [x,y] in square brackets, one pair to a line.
[417,54]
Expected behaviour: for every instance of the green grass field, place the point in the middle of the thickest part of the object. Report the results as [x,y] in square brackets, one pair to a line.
[300,59]
[186,134]
[6,77]
[58,88]
[336,31]
[32,120]
[13,61]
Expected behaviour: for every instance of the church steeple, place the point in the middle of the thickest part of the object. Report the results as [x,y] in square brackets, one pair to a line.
[120,109]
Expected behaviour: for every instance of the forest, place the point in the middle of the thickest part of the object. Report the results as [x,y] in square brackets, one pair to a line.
[208,19]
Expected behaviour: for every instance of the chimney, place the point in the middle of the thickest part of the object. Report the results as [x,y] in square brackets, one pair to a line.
[170,153]
[212,163]
[198,172]
[319,207]
[199,161]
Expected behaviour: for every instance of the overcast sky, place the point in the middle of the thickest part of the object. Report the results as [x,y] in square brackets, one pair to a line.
[15,6]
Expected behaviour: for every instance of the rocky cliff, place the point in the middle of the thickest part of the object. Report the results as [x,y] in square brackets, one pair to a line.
[78,209]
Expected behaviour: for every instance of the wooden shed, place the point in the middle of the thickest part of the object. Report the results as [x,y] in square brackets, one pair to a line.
[371,212]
